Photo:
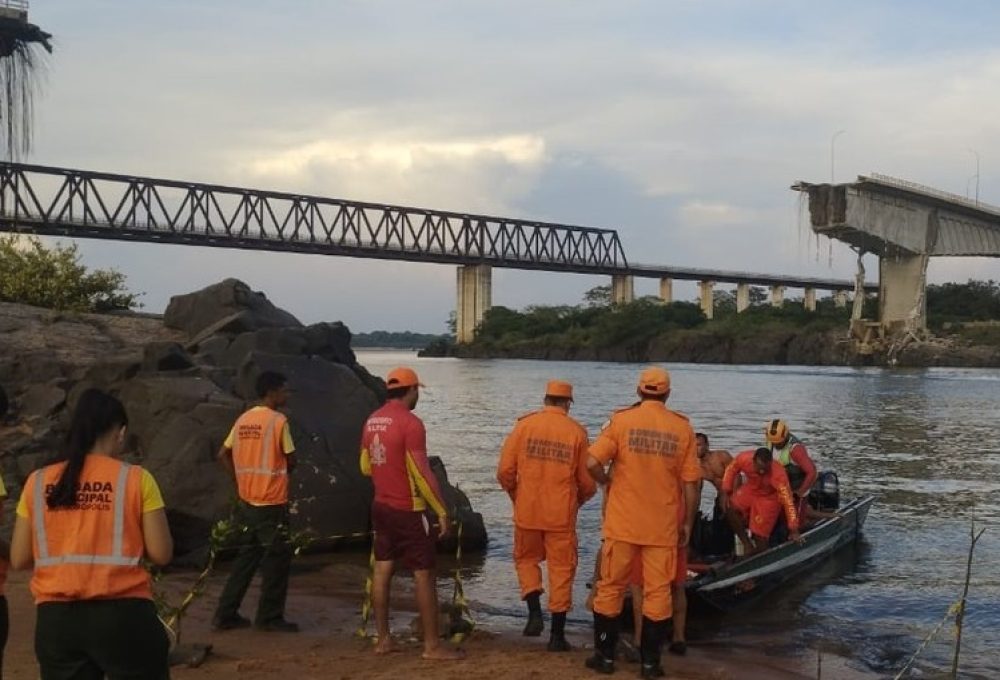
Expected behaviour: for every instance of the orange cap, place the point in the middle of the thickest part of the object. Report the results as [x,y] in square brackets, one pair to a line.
[559,389]
[654,381]
[402,377]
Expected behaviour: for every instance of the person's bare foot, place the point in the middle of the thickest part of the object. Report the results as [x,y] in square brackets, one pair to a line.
[444,653]
[384,646]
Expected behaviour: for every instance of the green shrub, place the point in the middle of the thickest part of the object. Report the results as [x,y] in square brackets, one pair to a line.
[33,274]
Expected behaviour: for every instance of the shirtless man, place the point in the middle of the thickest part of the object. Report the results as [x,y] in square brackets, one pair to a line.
[713,463]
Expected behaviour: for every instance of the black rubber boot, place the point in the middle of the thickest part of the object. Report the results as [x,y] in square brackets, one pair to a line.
[535,624]
[678,647]
[557,635]
[651,643]
[605,641]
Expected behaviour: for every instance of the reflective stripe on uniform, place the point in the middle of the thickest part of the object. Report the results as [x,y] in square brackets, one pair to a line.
[41,539]
[118,537]
[784,454]
[116,545]
[88,559]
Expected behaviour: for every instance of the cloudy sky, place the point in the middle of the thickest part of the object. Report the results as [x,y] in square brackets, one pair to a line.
[679,123]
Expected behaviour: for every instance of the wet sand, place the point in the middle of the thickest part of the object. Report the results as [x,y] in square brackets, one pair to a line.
[325,601]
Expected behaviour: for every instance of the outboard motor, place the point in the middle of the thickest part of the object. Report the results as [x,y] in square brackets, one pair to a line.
[825,493]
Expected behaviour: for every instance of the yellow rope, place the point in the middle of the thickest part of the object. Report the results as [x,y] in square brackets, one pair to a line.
[366,602]
[952,611]
[458,598]
[458,594]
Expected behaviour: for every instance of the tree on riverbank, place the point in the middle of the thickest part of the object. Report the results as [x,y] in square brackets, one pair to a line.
[958,302]
[597,322]
[33,274]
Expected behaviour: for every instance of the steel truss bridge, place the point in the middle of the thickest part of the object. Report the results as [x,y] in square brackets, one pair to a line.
[84,204]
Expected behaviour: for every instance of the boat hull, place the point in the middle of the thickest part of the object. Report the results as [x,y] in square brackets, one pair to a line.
[728,586]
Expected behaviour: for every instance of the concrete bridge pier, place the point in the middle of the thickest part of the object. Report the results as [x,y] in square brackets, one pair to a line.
[809,300]
[707,299]
[902,282]
[777,296]
[622,289]
[667,291]
[840,299]
[475,296]
[742,297]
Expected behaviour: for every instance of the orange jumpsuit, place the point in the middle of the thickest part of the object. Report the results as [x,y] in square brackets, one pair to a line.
[681,565]
[654,453]
[761,497]
[543,466]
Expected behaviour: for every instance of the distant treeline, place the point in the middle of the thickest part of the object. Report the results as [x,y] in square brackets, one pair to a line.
[963,302]
[970,310]
[597,324]
[396,340]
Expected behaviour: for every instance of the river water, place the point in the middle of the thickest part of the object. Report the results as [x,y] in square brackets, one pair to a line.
[925,442]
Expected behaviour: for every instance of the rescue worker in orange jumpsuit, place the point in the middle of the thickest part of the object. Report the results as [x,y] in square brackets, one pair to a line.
[678,596]
[788,450]
[259,453]
[85,524]
[655,469]
[759,499]
[543,468]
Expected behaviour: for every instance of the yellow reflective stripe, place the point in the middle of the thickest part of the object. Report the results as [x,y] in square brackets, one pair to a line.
[423,486]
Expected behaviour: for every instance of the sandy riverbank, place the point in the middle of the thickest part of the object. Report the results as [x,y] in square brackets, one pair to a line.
[325,600]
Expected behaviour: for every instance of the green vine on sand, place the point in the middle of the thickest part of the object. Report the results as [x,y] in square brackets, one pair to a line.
[220,539]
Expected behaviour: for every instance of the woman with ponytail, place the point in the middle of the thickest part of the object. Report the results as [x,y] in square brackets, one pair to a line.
[84,524]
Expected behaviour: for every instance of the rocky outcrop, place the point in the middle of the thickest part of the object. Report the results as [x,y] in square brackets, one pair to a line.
[184,380]
[230,301]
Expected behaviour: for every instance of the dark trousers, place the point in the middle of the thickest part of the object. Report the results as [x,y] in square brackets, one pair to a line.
[93,639]
[263,536]
[4,628]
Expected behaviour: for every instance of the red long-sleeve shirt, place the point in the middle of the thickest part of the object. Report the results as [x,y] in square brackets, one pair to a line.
[394,455]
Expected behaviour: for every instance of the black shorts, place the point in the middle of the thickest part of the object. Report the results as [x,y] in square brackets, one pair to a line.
[403,536]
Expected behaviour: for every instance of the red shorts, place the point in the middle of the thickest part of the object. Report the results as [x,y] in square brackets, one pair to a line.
[761,511]
[403,536]
[680,574]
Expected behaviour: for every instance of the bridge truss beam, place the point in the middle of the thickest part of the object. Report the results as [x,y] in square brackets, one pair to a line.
[83,204]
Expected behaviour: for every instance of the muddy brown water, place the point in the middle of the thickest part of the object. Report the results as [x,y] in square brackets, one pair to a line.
[925,442]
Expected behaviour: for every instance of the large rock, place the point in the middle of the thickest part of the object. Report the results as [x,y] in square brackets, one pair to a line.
[183,391]
[230,302]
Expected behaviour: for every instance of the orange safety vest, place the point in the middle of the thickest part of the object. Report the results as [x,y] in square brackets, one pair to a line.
[260,463]
[92,550]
